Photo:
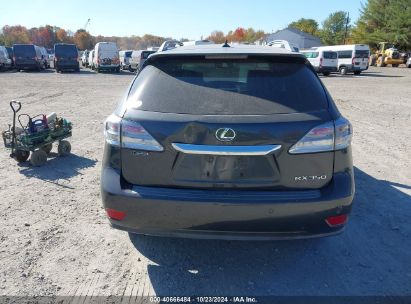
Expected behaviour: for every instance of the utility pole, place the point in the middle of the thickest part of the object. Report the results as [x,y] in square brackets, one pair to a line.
[347,20]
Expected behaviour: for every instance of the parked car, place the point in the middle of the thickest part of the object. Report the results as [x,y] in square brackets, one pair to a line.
[198,42]
[106,57]
[5,61]
[27,57]
[10,53]
[228,142]
[138,58]
[285,45]
[169,45]
[84,58]
[66,57]
[91,59]
[351,57]
[45,57]
[323,61]
[125,57]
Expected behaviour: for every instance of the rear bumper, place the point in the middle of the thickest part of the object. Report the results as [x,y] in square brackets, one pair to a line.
[67,67]
[108,67]
[254,215]
[27,66]
[359,68]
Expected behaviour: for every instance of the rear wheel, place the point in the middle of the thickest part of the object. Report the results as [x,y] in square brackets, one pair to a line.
[343,70]
[357,72]
[21,156]
[64,148]
[38,158]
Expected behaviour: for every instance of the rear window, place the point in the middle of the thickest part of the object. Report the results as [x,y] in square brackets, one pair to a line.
[26,50]
[145,55]
[362,53]
[330,55]
[311,54]
[69,50]
[227,86]
[128,54]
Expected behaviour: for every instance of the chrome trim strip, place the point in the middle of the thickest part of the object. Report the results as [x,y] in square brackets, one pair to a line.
[225,150]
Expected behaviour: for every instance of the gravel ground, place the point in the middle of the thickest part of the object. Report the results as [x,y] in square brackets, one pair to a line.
[55,239]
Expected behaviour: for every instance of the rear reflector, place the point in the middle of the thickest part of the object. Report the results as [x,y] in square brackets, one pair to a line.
[337,220]
[115,214]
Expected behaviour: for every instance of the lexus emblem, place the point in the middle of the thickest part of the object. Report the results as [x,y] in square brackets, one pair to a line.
[225,134]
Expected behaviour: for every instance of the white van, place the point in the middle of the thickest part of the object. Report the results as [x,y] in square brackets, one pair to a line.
[324,61]
[138,58]
[284,44]
[125,57]
[351,57]
[5,61]
[106,57]
[91,59]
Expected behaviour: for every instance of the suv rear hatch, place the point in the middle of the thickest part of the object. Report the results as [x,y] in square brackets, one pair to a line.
[199,122]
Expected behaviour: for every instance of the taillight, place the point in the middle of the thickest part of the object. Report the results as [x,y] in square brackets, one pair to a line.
[343,133]
[129,134]
[134,136]
[334,135]
[112,130]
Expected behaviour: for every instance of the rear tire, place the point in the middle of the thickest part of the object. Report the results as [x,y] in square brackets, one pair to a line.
[21,156]
[343,70]
[38,158]
[64,148]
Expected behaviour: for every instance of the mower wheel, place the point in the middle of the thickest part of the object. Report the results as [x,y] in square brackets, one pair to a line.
[64,148]
[38,158]
[47,148]
[21,156]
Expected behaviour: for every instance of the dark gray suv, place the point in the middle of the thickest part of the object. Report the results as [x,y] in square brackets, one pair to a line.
[239,142]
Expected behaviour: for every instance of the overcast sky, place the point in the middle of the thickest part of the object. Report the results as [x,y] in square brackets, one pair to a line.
[173,18]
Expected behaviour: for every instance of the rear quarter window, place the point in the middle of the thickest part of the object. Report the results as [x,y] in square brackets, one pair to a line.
[231,87]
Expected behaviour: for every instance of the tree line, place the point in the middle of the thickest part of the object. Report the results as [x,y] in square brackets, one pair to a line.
[380,20]
[48,35]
